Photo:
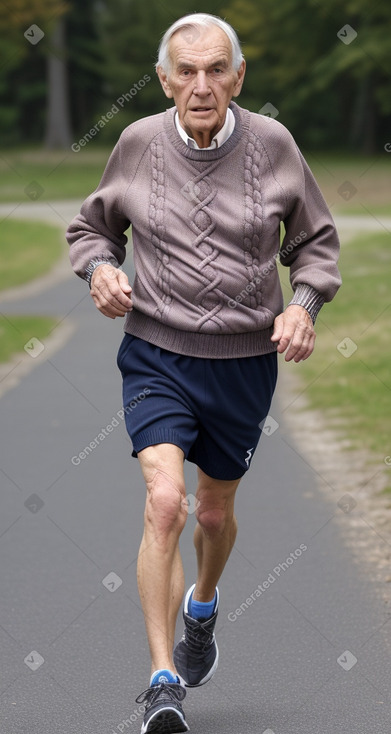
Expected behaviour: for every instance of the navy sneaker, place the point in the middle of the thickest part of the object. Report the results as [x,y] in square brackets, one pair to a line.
[196,656]
[163,711]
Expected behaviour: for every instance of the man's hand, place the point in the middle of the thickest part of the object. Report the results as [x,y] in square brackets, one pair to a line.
[294,330]
[111,291]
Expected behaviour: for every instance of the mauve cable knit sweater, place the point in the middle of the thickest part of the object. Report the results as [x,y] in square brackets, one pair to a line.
[206,234]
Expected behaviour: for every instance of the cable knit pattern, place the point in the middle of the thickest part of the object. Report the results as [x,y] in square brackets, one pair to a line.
[203,225]
[253,216]
[156,222]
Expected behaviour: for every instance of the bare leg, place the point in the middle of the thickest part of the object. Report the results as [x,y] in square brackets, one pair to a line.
[159,568]
[215,532]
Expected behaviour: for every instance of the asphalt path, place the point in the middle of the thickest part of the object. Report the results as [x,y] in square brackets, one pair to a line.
[303,631]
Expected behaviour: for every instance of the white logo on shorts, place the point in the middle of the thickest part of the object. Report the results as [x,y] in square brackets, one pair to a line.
[248,457]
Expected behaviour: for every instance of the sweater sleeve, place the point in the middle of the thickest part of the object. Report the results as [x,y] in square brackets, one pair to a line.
[96,235]
[310,247]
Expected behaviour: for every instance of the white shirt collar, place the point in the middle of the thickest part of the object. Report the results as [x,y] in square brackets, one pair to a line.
[218,140]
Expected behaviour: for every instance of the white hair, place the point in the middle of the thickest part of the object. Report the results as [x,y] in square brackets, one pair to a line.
[198,21]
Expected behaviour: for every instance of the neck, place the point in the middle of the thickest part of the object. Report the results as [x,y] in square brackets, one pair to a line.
[203,139]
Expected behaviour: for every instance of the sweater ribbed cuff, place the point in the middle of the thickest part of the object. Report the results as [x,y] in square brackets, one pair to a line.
[309,298]
[93,264]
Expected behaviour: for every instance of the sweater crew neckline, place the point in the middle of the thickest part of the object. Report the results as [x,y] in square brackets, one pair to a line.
[242,123]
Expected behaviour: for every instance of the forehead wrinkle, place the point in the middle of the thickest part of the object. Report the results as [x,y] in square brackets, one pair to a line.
[184,56]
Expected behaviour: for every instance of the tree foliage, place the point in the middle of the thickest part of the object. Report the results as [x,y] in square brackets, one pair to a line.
[330,89]
[330,93]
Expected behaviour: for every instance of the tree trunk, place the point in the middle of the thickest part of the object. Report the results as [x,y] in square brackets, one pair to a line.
[58,126]
[362,131]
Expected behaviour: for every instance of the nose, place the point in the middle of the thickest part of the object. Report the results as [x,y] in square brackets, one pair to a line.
[201,87]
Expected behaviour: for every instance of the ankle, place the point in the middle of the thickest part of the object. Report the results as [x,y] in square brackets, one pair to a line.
[163,675]
[202,609]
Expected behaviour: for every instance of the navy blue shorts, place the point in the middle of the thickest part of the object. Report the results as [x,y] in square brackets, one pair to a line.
[211,408]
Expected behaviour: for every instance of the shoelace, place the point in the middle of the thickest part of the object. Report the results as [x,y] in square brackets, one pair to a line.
[173,691]
[197,637]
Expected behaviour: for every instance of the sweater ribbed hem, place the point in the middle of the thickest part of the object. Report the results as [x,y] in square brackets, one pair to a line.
[309,298]
[194,344]
[93,264]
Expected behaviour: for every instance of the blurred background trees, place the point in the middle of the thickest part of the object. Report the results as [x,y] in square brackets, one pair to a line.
[331,92]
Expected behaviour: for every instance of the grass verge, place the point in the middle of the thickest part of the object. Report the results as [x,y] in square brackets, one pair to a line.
[348,375]
[29,175]
[354,185]
[28,249]
[18,331]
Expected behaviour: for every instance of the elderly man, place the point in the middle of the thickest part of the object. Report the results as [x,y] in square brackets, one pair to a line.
[205,185]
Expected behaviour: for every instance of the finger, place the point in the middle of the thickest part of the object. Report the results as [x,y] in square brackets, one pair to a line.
[110,280]
[311,347]
[297,347]
[109,307]
[110,312]
[278,328]
[301,351]
[107,290]
[110,300]
[124,282]
[286,337]
[110,315]
[298,344]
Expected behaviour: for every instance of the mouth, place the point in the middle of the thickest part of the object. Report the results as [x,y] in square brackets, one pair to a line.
[202,109]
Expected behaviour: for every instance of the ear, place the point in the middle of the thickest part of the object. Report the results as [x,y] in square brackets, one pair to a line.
[240,79]
[163,78]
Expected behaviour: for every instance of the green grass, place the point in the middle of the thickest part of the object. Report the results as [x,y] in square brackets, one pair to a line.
[369,178]
[30,175]
[16,331]
[354,393]
[27,249]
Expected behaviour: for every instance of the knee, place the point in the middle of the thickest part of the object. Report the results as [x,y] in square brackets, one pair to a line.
[165,508]
[214,520]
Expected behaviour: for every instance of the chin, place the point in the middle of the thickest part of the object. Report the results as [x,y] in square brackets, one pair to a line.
[204,123]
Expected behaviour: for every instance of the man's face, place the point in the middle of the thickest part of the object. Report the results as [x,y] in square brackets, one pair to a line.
[202,80]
